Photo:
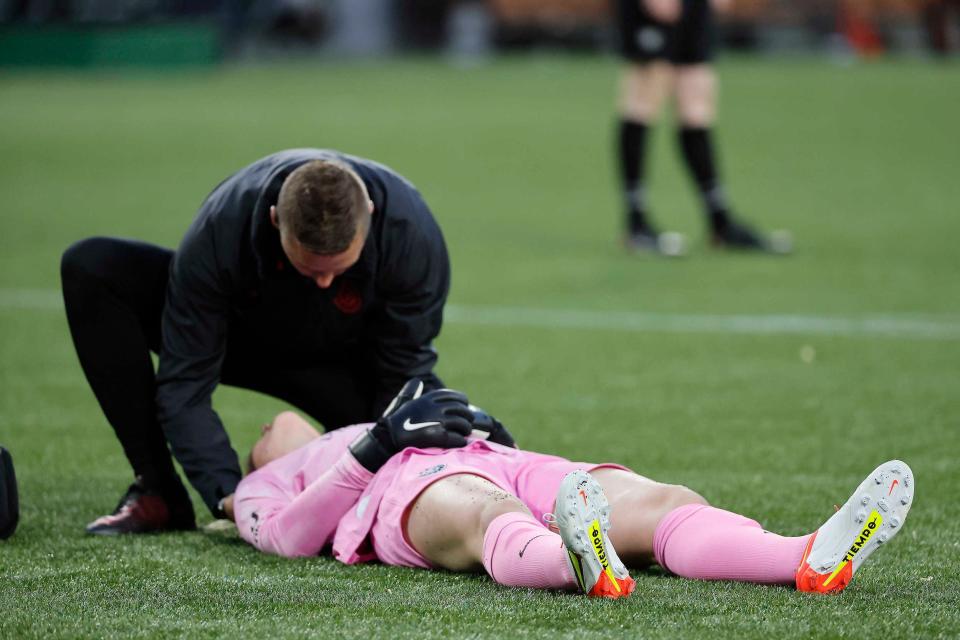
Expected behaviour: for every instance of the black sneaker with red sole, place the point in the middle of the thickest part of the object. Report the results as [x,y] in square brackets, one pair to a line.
[144,511]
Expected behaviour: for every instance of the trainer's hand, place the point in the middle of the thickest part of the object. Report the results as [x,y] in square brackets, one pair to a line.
[439,418]
[667,11]
[228,508]
[486,427]
[411,390]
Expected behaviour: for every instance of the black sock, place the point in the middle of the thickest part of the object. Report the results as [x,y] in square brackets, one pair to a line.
[697,147]
[632,142]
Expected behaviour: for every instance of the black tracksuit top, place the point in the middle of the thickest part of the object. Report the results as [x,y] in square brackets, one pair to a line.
[231,289]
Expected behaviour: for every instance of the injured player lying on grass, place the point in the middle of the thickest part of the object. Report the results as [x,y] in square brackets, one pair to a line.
[419,489]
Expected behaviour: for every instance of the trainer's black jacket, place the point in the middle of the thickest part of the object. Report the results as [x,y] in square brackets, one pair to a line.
[230,283]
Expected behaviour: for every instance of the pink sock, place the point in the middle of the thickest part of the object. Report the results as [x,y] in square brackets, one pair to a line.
[520,552]
[697,541]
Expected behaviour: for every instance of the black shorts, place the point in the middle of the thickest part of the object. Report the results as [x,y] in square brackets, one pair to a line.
[691,40]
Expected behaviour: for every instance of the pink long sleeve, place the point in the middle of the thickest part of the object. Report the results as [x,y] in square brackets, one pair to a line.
[275,521]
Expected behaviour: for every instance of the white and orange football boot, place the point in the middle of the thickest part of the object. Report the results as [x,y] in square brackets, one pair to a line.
[870,518]
[583,519]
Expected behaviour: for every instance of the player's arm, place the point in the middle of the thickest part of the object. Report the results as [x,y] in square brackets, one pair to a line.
[194,334]
[412,288]
[272,523]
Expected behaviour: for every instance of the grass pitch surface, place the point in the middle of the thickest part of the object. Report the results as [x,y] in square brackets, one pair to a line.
[770,385]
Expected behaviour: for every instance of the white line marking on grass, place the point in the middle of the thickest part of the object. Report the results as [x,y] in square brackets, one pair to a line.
[31,299]
[871,325]
[641,322]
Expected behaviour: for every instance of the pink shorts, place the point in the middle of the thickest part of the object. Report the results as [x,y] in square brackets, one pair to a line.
[534,478]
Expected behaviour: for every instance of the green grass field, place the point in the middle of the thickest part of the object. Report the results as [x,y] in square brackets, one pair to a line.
[688,371]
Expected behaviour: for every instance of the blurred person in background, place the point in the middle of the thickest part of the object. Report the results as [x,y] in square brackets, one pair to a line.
[310,275]
[869,27]
[669,47]
[936,17]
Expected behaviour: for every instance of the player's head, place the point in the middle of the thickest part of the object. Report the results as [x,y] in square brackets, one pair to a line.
[288,431]
[323,214]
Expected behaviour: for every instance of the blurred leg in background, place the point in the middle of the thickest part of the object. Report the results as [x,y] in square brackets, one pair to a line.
[696,90]
[643,90]
[646,32]
[936,20]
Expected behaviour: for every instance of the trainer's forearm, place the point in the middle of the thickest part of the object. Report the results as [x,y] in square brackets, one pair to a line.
[200,444]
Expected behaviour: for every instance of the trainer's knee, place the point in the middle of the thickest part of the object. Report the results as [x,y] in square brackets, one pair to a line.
[83,260]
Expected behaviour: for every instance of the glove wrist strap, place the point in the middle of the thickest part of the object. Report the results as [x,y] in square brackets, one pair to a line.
[370,452]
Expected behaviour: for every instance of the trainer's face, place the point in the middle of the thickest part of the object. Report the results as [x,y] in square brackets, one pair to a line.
[321,269]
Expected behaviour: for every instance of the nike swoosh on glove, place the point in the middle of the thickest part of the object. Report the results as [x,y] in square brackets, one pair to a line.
[440,418]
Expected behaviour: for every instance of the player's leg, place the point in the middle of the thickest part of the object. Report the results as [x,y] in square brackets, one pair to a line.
[645,85]
[114,291]
[696,100]
[680,531]
[696,105]
[644,88]
[449,519]
[466,523]
[638,504]
[675,527]
[696,90]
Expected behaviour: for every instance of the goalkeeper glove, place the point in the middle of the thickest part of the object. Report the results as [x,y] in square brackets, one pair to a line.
[486,427]
[439,418]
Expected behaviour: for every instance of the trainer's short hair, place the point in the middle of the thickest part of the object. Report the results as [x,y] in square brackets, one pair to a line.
[323,203]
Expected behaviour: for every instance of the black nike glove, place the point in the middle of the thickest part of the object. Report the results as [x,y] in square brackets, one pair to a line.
[411,390]
[439,418]
[486,427]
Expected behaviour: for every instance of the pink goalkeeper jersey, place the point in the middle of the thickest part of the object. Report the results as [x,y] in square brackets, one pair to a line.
[292,506]
[319,495]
